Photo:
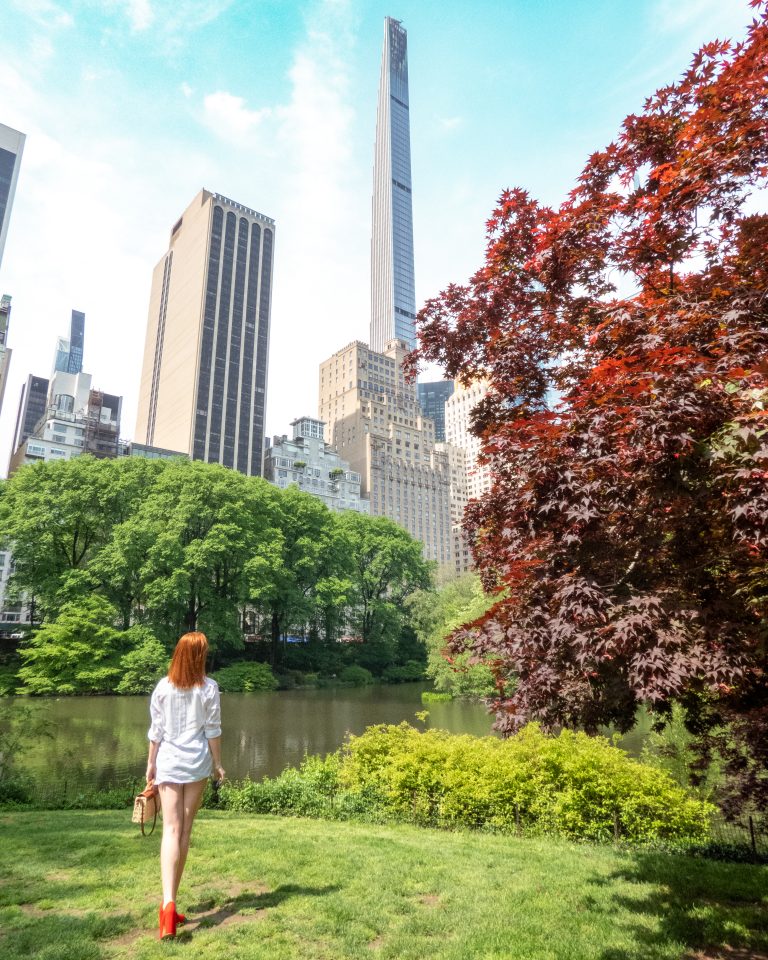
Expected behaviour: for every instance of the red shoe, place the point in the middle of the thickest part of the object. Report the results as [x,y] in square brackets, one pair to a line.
[168,921]
[181,918]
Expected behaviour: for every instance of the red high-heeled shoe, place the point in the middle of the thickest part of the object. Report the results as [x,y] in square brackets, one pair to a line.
[168,921]
[181,918]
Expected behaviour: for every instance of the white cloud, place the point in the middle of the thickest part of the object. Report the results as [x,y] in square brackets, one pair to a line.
[229,117]
[45,13]
[140,14]
[187,90]
[450,123]
[724,19]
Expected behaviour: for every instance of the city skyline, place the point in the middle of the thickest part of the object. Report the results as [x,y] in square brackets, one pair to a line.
[290,131]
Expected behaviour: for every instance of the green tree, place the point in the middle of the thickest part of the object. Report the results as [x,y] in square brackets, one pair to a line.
[56,517]
[208,532]
[436,614]
[303,576]
[387,566]
[79,652]
[144,664]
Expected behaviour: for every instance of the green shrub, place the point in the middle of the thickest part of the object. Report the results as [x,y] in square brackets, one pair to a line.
[356,676]
[572,785]
[433,696]
[306,792]
[9,680]
[245,677]
[144,664]
[408,672]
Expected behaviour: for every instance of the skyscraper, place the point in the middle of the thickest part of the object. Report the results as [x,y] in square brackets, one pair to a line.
[393,293]
[376,425]
[32,406]
[432,398]
[69,352]
[5,351]
[204,379]
[11,148]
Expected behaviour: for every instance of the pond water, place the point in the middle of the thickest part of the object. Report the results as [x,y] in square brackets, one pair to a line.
[97,741]
[102,740]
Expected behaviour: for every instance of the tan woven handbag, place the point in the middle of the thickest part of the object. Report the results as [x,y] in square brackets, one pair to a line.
[145,807]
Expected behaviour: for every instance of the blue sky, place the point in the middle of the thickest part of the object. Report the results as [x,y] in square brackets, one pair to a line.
[131,106]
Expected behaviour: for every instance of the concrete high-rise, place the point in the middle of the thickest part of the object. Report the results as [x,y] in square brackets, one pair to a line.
[458,423]
[376,425]
[204,379]
[393,292]
[5,351]
[11,149]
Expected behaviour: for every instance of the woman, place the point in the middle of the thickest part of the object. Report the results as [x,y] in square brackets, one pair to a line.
[184,749]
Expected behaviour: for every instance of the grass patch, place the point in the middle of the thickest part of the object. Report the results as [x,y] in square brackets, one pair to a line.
[85,886]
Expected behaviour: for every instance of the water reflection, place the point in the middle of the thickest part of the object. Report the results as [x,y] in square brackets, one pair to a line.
[98,740]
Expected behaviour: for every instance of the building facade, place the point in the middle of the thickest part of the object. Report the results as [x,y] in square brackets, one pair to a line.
[69,351]
[458,421]
[5,350]
[310,463]
[32,406]
[432,398]
[393,291]
[11,149]
[132,449]
[204,378]
[14,613]
[376,425]
[77,419]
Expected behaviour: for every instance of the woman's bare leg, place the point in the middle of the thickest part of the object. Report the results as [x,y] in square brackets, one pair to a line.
[172,803]
[192,798]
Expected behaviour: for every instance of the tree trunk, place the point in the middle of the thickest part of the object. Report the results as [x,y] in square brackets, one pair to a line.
[275,637]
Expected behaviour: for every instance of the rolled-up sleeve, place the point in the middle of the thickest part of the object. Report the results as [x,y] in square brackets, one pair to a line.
[212,702]
[156,718]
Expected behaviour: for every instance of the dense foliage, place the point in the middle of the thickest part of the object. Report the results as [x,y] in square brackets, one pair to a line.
[436,614]
[245,678]
[119,557]
[571,785]
[629,523]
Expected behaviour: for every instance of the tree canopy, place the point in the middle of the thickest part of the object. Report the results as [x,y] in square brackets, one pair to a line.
[121,557]
[628,521]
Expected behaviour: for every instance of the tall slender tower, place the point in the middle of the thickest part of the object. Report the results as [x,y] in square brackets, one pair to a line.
[11,148]
[393,294]
[204,379]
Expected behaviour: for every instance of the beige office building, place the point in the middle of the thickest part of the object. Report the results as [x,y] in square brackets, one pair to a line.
[204,379]
[375,423]
[458,419]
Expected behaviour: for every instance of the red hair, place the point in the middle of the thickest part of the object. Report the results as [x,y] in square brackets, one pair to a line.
[187,667]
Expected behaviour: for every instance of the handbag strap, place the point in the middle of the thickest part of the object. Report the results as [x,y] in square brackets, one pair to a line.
[151,792]
[154,821]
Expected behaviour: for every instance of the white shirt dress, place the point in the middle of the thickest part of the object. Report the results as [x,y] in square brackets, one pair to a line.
[182,723]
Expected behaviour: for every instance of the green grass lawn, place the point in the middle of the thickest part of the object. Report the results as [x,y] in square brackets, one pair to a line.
[85,885]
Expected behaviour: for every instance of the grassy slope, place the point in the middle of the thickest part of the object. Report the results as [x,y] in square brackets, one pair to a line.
[84,885]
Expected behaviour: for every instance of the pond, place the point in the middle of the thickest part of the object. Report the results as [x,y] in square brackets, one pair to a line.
[102,740]
[98,741]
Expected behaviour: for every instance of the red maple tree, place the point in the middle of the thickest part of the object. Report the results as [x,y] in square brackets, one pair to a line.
[627,524]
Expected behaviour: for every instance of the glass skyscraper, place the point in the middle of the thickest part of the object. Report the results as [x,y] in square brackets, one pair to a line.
[11,147]
[432,398]
[393,294]
[69,353]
